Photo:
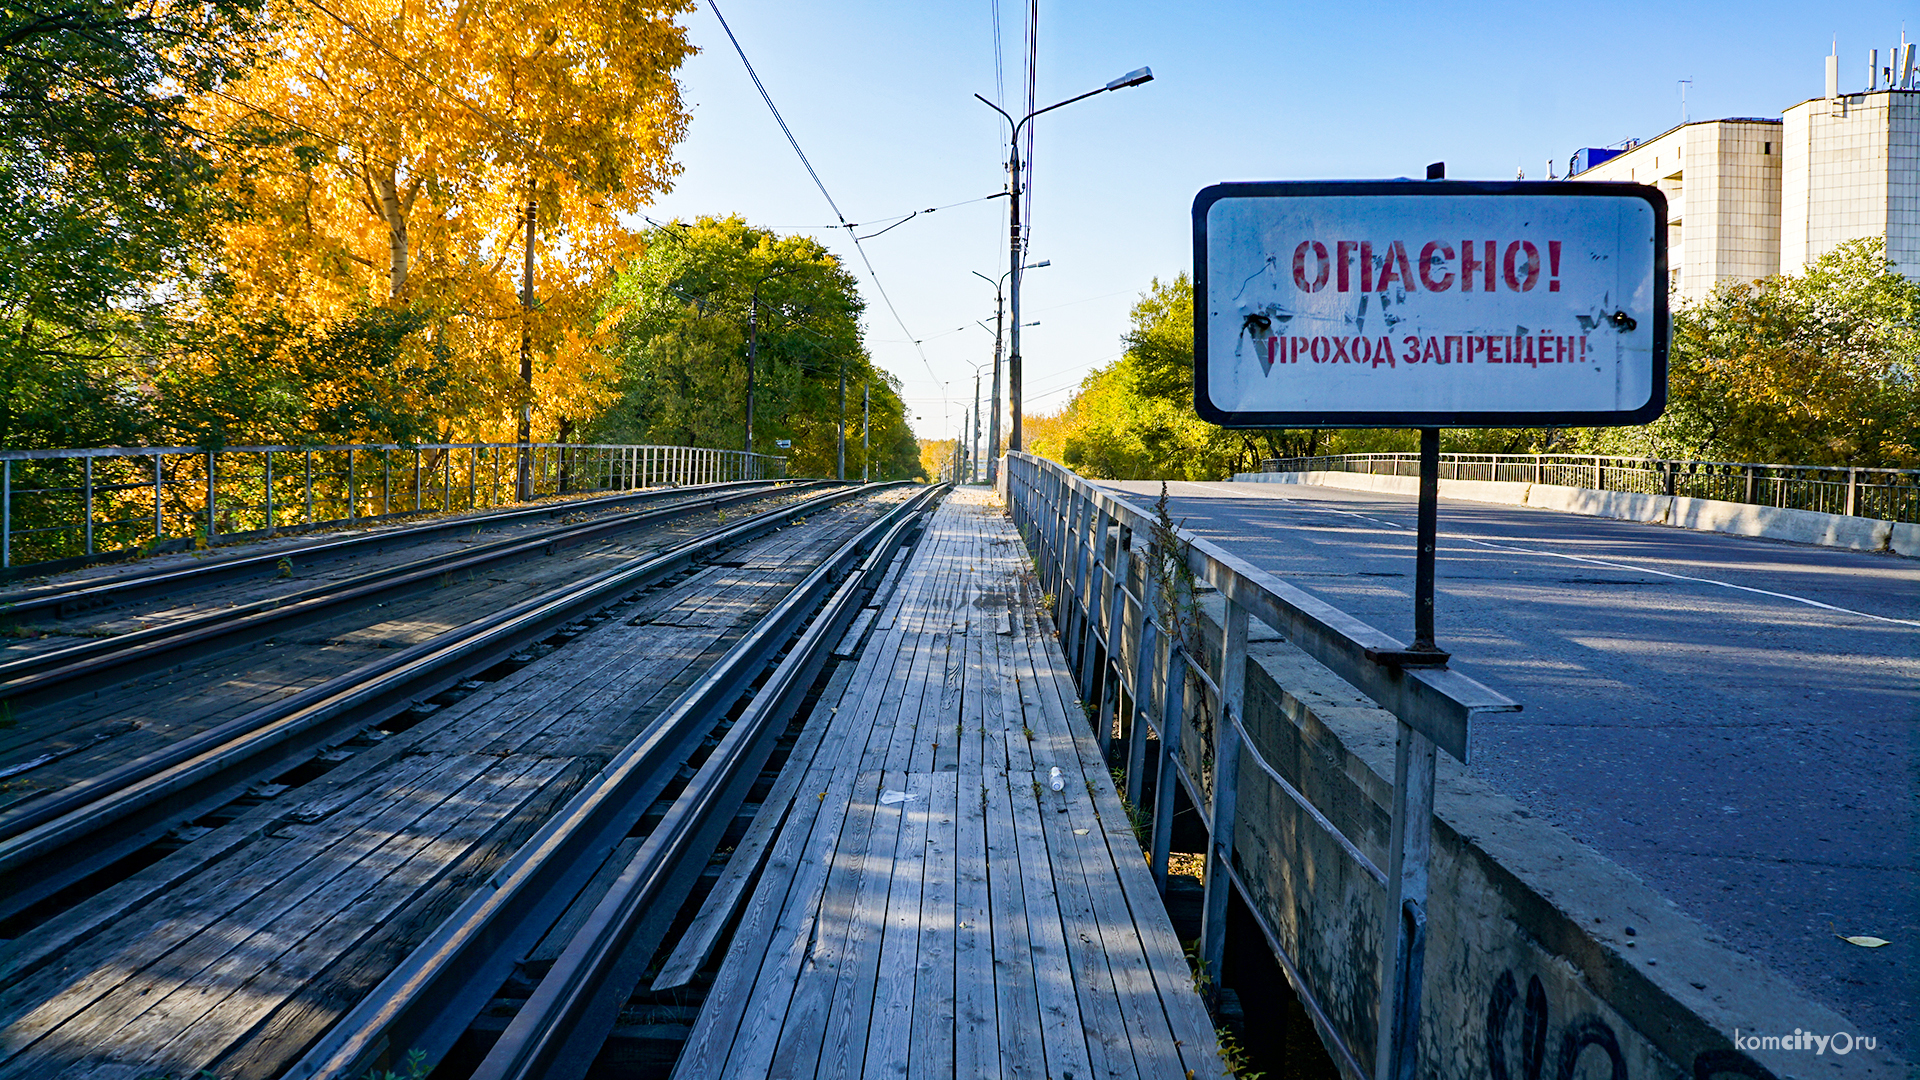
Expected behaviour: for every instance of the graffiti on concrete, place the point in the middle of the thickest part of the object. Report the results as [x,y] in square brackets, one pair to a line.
[1587,1036]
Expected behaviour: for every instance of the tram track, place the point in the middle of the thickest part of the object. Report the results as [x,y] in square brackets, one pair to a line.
[42,678]
[210,654]
[431,999]
[93,984]
[55,842]
[67,599]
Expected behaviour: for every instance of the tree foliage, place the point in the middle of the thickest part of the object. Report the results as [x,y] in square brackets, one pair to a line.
[1134,419]
[398,152]
[1818,368]
[685,318]
[106,192]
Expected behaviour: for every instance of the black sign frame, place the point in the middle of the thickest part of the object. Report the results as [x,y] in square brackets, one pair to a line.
[1662,328]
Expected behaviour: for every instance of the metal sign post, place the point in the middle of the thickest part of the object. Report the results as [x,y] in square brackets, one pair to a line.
[1426,304]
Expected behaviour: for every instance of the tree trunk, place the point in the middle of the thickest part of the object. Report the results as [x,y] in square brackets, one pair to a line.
[394,212]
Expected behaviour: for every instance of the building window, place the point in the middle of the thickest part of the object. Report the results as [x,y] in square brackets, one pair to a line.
[1768,150]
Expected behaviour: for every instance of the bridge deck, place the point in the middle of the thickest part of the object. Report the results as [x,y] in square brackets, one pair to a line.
[930,906]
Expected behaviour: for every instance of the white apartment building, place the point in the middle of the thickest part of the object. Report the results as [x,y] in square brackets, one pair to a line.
[1749,197]
[1852,168]
[1722,183]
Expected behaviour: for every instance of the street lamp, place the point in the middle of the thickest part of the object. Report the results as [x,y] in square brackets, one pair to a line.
[1131,78]
[999,309]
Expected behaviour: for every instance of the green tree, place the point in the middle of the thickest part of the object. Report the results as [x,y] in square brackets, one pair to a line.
[1816,368]
[709,297]
[106,198]
[1134,418]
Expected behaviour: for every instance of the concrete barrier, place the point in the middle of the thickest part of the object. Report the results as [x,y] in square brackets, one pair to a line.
[1904,539]
[1544,959]
[1704,515]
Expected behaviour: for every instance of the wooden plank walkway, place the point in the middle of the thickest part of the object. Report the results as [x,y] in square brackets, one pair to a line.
[930,906]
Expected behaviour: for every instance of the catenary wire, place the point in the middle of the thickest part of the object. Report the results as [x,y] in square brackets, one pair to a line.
[795,143]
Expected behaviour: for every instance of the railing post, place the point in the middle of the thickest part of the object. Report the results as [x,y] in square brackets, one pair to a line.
[309,487]
[211,466]
[1226,783]
[6,513]
[416,480]
[1081,581]
[159,504]
[1404,920]
[269,454]
[1144,655]
[1167,776]
[1853,481]
[1116,663]
[89,501]
[1088,591]
[473,472]
[353,490]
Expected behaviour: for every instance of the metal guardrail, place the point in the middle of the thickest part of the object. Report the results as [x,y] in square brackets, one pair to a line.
[1144,648]
[62,506]
[1882,494]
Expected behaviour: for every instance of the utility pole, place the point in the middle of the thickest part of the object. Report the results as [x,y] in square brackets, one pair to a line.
[993,423]
[866,412]
[975,443]
[524,478]
[1016,257]
[753,357]
[840,455]
[961,448]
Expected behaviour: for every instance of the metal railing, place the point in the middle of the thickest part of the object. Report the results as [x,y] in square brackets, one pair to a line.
[1124,584]
[1883,494]
[58,507]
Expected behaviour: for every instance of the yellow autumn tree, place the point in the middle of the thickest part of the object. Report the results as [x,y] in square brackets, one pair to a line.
[397,150]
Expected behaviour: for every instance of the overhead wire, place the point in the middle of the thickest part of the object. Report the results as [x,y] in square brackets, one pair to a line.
[842,218]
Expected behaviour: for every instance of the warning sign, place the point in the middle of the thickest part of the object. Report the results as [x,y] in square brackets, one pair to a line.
[1429,304]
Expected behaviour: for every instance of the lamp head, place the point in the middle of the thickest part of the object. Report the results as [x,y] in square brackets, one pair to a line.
[1132,78]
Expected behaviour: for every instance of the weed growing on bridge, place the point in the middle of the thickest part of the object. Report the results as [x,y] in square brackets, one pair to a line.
[415,1068]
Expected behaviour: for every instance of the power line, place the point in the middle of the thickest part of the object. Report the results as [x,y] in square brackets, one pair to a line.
[842,218]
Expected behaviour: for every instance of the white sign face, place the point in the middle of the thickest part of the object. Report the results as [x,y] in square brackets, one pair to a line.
[783,444]
[1429,304]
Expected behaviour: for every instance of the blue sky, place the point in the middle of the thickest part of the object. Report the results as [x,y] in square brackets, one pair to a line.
[879,95]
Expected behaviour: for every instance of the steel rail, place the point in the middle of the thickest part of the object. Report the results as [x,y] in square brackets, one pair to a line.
[61,602]
[559,1031]
[426,1003]
[42,678]
[196,775]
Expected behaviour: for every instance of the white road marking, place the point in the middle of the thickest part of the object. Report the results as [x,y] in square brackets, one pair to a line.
[1628,568]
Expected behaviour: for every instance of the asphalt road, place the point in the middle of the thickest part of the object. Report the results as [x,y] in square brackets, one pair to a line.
[1737,721]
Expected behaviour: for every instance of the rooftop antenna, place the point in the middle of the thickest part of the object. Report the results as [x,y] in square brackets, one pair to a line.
[1684,85]
[1519,173]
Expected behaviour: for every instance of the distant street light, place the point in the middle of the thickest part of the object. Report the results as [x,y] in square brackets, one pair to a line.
[1131,78]
[999,310]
